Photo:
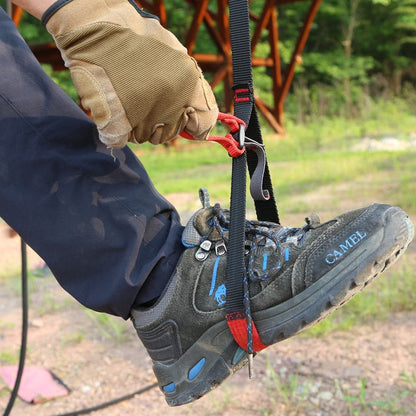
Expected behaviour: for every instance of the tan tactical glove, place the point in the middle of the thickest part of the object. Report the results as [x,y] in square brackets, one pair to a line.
[134,76]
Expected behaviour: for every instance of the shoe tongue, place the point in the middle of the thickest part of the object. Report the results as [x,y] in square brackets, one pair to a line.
[199,226]
[313,220]
[190,235]
[203,221]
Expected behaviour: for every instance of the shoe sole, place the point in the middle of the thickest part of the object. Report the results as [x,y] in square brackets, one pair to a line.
[339,285]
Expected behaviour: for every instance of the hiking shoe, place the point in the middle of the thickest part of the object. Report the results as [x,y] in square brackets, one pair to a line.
[296,276]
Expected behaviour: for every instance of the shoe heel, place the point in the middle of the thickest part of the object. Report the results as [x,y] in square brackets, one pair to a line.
[204,366]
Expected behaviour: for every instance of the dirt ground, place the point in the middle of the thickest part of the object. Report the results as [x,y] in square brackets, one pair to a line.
[368,370]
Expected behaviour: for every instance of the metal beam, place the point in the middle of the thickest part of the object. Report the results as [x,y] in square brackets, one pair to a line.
[296,56]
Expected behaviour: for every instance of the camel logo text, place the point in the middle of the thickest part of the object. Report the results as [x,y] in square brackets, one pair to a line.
[343,248]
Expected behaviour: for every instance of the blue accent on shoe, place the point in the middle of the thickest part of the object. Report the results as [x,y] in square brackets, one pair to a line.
[220,295]
[287,254]
[214,276]
[238,356]
[187,245]
[196,369]
[265,261]
[169,388]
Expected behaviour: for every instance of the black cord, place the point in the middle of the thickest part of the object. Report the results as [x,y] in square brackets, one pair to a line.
[110,403]
[23,345]
[25,312]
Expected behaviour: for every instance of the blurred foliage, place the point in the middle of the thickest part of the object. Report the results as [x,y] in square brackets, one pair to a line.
[32,30]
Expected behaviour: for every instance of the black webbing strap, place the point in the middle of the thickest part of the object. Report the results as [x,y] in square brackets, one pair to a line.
[244,109]
[235,256]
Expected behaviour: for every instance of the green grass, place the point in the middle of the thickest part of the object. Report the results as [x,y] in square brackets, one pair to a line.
[72,337]
[9,272]
[292,392]
[4,325]
[12,282]
[303,175]
[49,304]
[108,326]
[359,403]
[204,164]
[9,357]
[308,157]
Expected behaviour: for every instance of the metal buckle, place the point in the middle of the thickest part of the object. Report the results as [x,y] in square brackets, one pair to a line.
[241,136]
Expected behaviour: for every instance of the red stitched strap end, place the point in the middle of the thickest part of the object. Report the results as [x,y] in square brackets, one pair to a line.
[241,95]
[238,326]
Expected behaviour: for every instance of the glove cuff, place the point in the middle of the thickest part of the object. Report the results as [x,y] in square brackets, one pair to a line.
[51,10]
[61,3]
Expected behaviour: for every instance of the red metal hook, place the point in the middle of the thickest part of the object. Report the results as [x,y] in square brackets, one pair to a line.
[228,142]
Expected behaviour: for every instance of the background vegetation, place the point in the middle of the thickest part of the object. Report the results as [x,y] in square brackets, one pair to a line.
[359,53]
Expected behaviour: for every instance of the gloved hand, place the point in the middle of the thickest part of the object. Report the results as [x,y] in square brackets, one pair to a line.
[134,76]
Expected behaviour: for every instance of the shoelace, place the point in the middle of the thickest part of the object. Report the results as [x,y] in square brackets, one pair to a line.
[255,231]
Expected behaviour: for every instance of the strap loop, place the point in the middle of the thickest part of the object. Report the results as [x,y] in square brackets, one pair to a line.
[257,177]
[243,93]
